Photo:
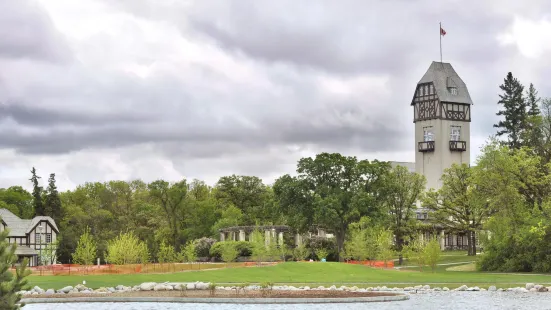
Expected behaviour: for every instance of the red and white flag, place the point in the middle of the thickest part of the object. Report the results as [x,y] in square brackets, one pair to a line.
[442,31]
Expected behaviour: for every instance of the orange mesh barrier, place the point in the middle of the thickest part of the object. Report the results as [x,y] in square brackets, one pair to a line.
[75,269]
[373,263]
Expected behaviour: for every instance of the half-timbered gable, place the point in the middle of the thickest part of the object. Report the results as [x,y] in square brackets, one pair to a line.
[31,236]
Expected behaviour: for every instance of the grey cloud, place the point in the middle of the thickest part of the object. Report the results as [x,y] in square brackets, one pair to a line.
[28,32]
[28,115]
[348,37]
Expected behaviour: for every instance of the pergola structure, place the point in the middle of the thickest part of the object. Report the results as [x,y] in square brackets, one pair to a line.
[243,233]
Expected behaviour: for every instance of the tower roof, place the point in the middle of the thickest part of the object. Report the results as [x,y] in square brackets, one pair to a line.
[443,76]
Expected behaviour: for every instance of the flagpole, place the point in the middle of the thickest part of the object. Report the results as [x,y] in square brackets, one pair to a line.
[440,35]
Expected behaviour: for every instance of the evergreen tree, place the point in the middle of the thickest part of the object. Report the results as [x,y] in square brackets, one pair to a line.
[53,202]
[533,137]
[10,284]
[514,110]
[532,101]
[37,194]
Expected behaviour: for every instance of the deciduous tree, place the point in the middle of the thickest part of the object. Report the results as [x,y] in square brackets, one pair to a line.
[458,206]
[402,189]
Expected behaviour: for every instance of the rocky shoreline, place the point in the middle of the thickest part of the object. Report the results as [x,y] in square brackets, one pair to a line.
[212,290]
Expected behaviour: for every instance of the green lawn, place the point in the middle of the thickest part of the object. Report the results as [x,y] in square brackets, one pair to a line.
[303,273]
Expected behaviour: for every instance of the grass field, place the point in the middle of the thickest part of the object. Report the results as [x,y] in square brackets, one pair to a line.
[304,273]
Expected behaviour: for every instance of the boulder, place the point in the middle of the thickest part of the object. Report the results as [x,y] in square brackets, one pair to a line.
[426,287]
[50,291]
[530,285]
[462,288]
[445,289]
[147,286]
[543,289]
[80,287]
[492,288]
[38,290]
[190,286]
[66,289]
[202,286]
[160,287]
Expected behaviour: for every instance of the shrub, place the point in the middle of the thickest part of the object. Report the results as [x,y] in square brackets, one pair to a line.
[244,248]
[203,245]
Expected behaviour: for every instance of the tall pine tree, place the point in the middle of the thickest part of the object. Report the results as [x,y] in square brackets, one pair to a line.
[10,283]
[533,137]
[514,110]
[37,195]
[53,202]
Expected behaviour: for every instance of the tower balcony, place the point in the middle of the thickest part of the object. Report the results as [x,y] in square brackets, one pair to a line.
[458,146]
[426,146]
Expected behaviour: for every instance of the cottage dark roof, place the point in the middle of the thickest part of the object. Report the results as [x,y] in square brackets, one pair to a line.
[443,76]
[20,227]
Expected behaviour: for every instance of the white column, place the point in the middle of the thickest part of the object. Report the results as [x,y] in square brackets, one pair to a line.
[222,236]
[267,236]
[298,239]
[280,237]
[442,240]
[241,235]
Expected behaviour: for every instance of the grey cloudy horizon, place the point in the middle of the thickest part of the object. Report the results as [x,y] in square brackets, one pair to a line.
[98,90]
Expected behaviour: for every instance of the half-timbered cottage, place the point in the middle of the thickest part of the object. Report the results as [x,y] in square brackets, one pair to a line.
[31,236]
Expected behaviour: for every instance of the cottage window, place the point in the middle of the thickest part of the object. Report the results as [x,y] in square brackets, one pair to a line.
[455,133]
[37,238]
[453,90]
[428,135]
[48,238]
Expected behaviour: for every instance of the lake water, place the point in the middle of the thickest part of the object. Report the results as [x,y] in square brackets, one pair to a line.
[428,301]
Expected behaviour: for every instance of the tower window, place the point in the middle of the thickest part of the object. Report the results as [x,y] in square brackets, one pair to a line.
[428,135]
[431,89]
[453,90]
[455,133]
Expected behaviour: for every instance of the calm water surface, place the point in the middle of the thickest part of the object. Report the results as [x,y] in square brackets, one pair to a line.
[436,300]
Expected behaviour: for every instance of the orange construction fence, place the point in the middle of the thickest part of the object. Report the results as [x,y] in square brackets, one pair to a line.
[373,263]
[75,269]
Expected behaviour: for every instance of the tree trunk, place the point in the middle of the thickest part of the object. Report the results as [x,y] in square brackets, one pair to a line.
[340,244]
[399,247]
[473,242]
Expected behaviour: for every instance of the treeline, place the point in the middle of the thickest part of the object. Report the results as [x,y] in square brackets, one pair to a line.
[504,201]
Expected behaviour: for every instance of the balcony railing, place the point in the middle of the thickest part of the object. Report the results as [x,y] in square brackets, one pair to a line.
[426,146]
[459,146]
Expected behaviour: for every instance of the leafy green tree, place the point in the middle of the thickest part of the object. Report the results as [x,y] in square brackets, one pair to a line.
[432,253]
[514,111]
[37,195]
[332,190]
[402,190]
[229,252]
[171,199]
[189,253]
[18,201]
[258,246]
[166,254]
[384,246]
[458,205]
[301,252]
[52,205]
[49,255]
[321,253]
[127,249]
[10,285]
[248,194]
[86,249]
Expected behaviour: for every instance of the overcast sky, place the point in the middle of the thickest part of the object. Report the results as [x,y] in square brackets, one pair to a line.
[95,90]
